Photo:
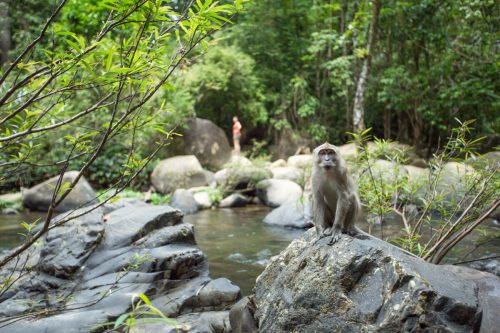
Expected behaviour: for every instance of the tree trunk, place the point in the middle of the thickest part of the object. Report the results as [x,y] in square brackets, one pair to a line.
[359,111]
[4,33]
[345,84]
[387,123]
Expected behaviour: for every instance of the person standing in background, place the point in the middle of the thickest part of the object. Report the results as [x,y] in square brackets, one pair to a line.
[236,135]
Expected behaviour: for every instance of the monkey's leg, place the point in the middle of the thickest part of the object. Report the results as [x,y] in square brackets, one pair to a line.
[349,227]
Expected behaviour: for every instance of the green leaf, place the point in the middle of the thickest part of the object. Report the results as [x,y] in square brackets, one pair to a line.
[120,320]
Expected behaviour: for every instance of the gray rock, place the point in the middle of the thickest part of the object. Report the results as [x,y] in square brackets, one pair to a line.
[210,176]
[386,171]
[416,174]
[10,211]
[300,161]
[234,200]
[178,172]
[288,142]
[84,273]
[67,247]
[122,202]
[219,292]
[239,177]
[129,224]
[278,164]
[290,214]
[488,295]
[39,197]
[238,160]
[491,266]
[361,285]
[348,150]
[392,149]
[451,184]
[241,316]
[203,199]
[275,192]
[453,180]
[205,322]
[184,201]
[205,140]
[296,175]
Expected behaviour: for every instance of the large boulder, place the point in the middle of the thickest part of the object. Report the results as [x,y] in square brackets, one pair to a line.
[387,172]
[300,161]
[349,150]
[288,143]
[416,174]
[455,180]
[488,294]
[296,175]
[361,285]
[392,150]
[275,192]
[241,177]
[178,172]
[238,160]
[206,141]
[94,264]
[39,197]
[278,163]
[292,213]
[452,184]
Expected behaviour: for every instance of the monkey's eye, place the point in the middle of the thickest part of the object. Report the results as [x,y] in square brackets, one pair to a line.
[327,152]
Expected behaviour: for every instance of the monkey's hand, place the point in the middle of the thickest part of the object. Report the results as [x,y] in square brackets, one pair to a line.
[336,232]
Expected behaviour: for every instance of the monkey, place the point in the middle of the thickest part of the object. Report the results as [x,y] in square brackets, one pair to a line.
[335,201]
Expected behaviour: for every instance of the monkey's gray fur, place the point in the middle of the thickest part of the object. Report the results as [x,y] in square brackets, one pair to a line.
[335,201]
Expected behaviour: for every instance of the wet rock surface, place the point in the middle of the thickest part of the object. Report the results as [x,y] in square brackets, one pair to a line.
[85,272]
[361,285]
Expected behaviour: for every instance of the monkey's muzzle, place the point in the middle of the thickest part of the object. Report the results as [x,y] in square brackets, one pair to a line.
[327,165]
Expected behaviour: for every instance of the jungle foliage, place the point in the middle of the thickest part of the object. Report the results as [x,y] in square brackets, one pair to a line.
[431,61]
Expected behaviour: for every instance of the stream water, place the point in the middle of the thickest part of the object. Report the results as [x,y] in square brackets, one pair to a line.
[238,244]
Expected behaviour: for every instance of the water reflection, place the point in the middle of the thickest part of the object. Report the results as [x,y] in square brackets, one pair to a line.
[11,229]
[237,243]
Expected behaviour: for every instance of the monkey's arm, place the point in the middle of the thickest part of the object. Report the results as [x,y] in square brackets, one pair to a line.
[319,215]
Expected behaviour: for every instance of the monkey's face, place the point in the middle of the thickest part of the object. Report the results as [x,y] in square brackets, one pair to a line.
[326,156]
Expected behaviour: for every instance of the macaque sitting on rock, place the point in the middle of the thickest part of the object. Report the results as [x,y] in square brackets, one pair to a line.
[335,201]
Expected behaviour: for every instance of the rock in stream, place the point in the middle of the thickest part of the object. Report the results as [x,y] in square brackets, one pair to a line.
[84,273]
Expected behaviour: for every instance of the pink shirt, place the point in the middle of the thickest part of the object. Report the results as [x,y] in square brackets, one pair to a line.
[237,128]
